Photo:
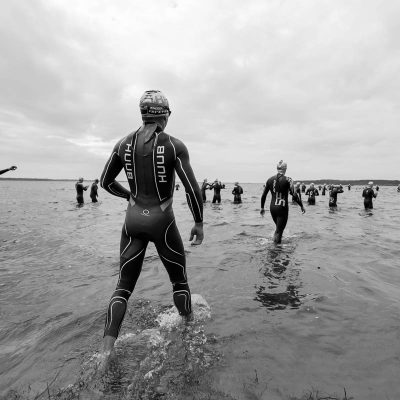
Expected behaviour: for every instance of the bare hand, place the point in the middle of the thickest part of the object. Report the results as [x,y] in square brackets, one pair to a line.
[197,231]
[13,168]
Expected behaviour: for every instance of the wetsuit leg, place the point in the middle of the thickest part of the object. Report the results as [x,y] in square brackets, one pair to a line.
[280,217]
[368,204]
[203,195]
[172,254]
[132,252]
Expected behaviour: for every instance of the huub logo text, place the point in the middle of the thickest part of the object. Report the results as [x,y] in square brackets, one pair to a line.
[128,160]
[160,165]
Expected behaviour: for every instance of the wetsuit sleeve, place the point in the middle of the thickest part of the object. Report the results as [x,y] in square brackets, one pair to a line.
[111,170]
[264,195]
[3,171]
[186,175]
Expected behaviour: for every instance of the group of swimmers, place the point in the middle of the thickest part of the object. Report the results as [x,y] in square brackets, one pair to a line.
[150,158]
[217,186]
[80,188]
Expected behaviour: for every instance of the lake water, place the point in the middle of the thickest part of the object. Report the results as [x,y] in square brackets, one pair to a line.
[318,315]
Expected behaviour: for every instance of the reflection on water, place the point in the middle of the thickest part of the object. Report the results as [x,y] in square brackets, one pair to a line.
[279,286]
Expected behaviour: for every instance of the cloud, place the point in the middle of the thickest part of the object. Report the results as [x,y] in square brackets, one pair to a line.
[248,83]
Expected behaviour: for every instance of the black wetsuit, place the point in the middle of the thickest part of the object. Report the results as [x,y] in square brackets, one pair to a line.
[3,171]
[303,188]
[204,187]
[150,167]
[237,192]
[311,193]
[217,192]
[93,192]
[368,194]
[79,192]
[333,196]
[280,186]
[323,190]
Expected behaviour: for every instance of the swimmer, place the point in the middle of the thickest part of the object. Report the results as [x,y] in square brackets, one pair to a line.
[204,186]
[237,192]
[335,189]
[311,193]
[303,187]
[369,194]
[323,189]
[377,188]
[297,190]
[150,158]
[349,186]
[79,191]
[398,188]
[217,186]
[12,168]
[279,185]
[93,191]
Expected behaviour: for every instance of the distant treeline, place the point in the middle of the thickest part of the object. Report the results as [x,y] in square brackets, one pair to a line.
[354,182]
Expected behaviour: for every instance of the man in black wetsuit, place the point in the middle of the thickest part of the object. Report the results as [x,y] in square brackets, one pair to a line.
[150,158]
[369,194]
[217,186]
[204,186]
[12,168]
[335,189]
[280,186]
[311,193]
[79,191]
[93,191]
[237,193]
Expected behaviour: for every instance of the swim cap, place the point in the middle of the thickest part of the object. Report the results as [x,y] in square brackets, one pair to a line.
[154,103]
[80,179]
[281,166]
[370,183]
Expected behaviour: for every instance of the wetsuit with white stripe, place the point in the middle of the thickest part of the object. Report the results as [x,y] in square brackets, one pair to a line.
[150,158]
[280,186]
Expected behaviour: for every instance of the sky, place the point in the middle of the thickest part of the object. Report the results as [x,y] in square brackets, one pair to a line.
[312,82]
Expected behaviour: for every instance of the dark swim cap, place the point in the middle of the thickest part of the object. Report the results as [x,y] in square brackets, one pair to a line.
[154,103]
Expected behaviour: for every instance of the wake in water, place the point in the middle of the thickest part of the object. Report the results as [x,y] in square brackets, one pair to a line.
[160,359]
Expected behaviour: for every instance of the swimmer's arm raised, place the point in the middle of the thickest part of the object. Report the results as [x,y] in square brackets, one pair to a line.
[111,170]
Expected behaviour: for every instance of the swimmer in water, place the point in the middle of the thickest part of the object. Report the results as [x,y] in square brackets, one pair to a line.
[323,189]
[303,187]
[217,186]
[12,168]
[335,189]
[150,157]
[311,193]
[93,191]
[369,194]
[204,186]
[237,193]
[297,190]
[79,191]
[280,186]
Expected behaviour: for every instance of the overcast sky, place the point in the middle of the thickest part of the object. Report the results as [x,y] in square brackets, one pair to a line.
[312,82]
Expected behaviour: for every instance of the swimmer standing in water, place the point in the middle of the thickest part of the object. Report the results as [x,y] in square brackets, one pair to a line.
[204,186]
[335,189]
[217,186]
[369,194]
[94,191]
[280,186]
[150,158]
[237,193]
[311,193]
[12,168]
[79,191]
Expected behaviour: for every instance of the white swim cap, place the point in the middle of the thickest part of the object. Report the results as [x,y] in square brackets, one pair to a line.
[282,166]
[370,183]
